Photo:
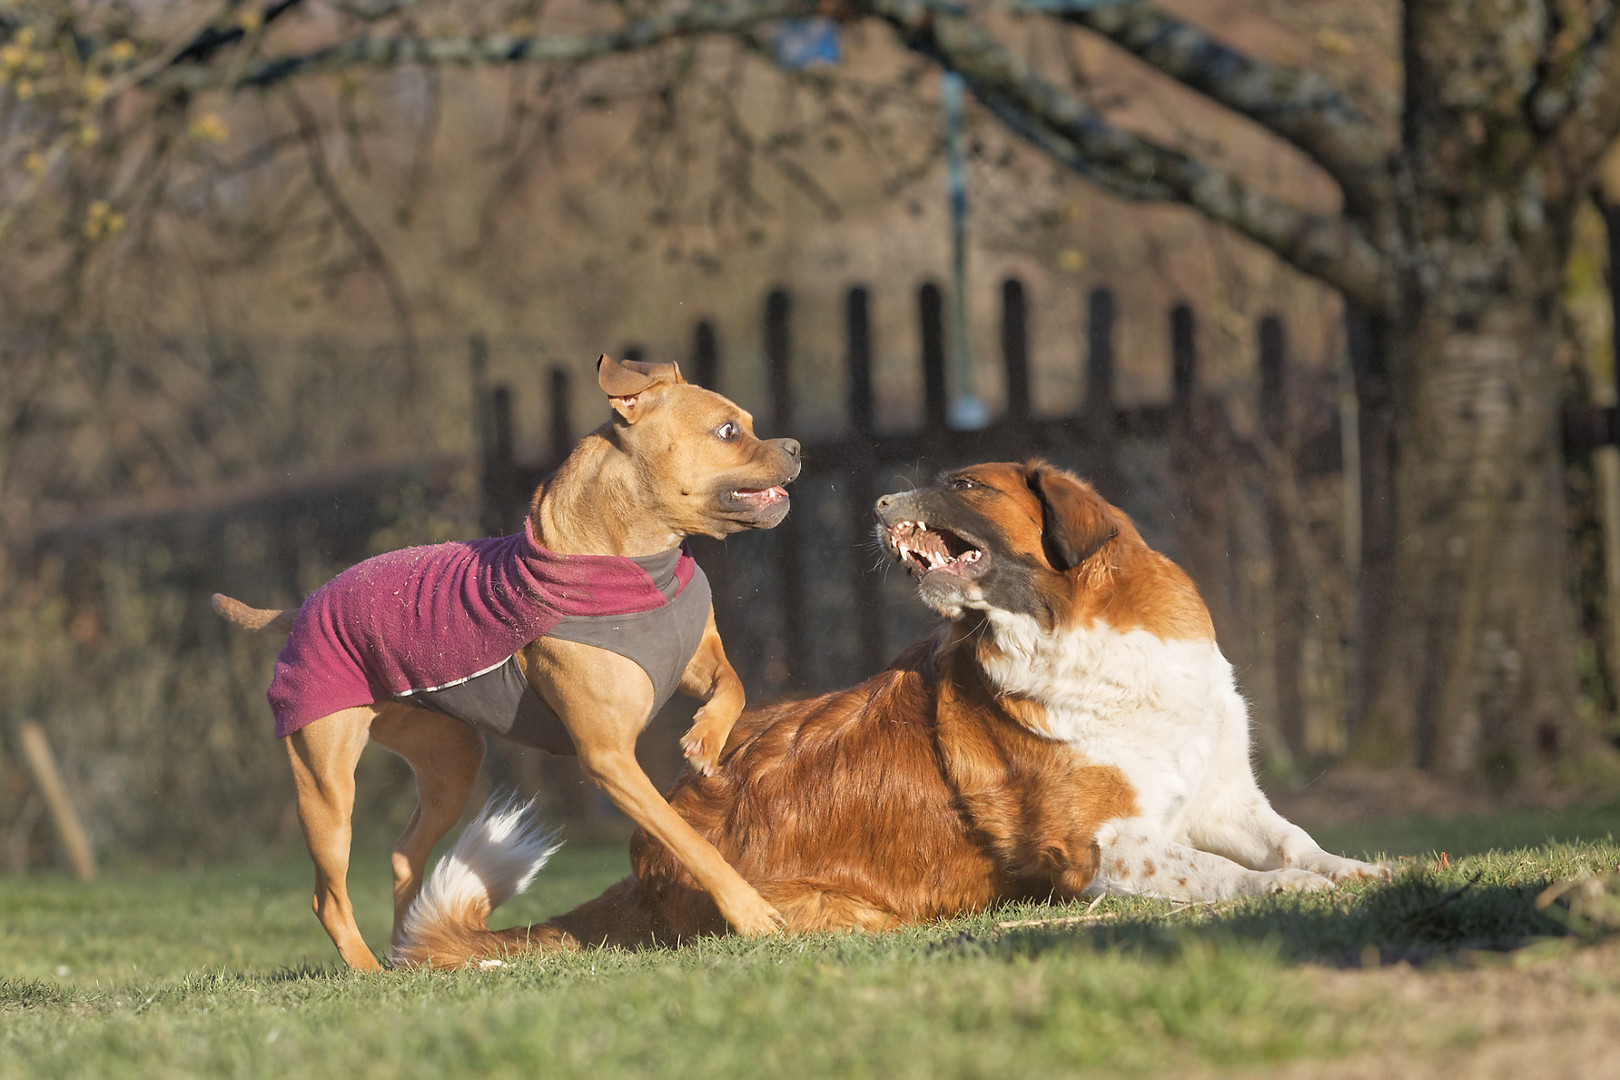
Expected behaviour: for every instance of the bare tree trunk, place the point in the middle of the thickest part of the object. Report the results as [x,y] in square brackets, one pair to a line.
[1472,671]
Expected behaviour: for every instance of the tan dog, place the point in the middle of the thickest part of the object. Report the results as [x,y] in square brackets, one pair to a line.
[580,670]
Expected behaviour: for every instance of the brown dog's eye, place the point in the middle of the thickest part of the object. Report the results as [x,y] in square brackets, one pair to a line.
[727,432]
[963,483]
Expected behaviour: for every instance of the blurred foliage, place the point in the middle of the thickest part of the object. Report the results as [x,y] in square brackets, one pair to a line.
[154,706]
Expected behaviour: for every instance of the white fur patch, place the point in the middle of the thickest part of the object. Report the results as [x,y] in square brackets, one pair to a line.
[1168,716]
[495,859]
[1156,710]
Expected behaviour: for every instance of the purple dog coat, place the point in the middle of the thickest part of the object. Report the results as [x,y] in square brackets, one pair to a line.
[440,626]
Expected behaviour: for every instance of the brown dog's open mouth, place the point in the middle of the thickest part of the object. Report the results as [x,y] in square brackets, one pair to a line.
[922,550]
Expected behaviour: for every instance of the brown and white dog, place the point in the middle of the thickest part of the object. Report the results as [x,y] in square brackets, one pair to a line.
[674,461]
[1071,729]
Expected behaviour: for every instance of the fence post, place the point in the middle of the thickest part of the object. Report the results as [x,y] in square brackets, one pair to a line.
[710,552]
[858,330]
[1200,450]
[1015,348]
[500,471]
[1276,449]
[478,371]
[705,356]
[1099,399]
[1183,361]
[495,470]
[862,418]
[1098,411]
[562,418]
[931,315]
[778,359]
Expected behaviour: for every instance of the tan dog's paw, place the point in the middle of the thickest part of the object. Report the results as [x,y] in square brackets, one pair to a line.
[700,752]
[754,917]
[703,742]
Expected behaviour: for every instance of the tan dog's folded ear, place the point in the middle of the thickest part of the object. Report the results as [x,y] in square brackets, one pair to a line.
[627,378]
[1075,521]
[625,381]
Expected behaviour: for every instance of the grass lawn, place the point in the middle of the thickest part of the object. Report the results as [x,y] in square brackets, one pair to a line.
[1451,971]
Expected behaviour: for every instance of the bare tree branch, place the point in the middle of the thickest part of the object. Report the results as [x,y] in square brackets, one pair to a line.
[1327,247]
[1309,113]
[500,48]
[1299,106]
[215,37]
[1575,102]
[366,247]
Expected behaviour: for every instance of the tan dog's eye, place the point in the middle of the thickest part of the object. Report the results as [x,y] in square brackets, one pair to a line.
[727,432]
[963,483]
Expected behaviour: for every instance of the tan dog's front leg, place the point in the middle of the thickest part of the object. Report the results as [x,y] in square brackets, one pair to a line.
[711,677]
[616,772]
[604,701]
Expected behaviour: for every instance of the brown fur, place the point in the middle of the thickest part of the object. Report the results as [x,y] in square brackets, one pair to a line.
[1121,580]
[912,796]
[660,471]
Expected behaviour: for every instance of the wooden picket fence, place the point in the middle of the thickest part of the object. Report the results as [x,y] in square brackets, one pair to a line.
[807,607]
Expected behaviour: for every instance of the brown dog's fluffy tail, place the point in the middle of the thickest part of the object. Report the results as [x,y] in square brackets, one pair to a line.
[251,618]
[495,859]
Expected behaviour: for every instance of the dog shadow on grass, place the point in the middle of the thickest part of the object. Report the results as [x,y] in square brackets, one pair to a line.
[1417,918]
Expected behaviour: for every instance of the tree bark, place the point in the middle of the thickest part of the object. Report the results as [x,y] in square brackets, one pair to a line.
[1468,653]
[1472,670]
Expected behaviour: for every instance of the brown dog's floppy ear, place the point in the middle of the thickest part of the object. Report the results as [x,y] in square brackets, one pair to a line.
[1075,521]
[624,381]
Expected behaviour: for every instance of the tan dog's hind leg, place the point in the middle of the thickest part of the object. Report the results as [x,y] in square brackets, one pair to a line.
[711,677]
[605,700]
[323,757]
[445,754]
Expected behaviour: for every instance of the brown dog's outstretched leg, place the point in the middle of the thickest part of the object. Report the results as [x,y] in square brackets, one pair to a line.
[445,754]
[604,700]
[323,756]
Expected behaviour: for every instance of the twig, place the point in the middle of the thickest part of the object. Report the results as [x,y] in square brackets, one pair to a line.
[1085,916]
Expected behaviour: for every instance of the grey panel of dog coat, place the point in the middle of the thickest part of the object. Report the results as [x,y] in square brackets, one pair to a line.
[661,641]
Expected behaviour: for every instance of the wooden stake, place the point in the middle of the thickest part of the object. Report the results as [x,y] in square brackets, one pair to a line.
[37,753]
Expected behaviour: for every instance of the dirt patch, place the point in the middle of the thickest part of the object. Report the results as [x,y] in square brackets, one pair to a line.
[1555,1014]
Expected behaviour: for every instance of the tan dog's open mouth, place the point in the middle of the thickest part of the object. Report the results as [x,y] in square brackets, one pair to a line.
[923,551]
[760,497]
[757,508]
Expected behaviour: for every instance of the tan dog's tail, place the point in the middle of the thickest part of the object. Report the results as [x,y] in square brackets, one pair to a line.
[251,618]
[496,857]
